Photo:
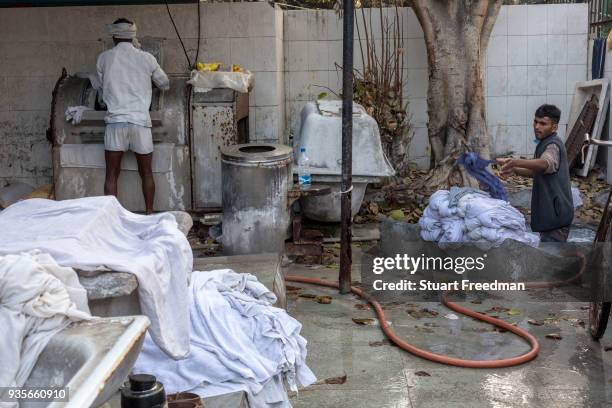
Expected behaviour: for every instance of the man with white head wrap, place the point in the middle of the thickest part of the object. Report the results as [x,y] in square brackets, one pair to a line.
[126,74]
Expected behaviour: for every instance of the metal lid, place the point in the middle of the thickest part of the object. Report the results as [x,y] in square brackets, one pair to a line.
[142,382]
[256,153]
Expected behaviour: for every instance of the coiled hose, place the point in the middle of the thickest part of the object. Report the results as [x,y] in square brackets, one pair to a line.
[438,358]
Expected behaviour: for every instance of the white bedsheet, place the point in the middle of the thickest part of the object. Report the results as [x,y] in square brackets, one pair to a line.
[239,341]
[97,233]
[38,298]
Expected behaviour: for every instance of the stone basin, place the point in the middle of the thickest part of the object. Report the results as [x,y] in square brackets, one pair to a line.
[90,358]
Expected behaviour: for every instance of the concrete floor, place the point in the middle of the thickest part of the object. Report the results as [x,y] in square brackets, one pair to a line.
[571,372]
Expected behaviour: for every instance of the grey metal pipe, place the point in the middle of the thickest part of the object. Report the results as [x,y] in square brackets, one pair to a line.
[344,278]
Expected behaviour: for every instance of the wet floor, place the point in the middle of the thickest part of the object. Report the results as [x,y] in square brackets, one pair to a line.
[570,371]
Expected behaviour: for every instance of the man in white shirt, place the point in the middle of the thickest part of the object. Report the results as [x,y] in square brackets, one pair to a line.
[126,73]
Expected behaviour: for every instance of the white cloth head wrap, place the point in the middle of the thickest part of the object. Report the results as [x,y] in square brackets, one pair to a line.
[123,31]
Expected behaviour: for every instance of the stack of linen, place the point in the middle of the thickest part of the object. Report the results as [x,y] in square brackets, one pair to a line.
[467,215]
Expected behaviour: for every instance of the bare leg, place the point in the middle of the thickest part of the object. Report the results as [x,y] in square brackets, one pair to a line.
[146,175]
[113,168]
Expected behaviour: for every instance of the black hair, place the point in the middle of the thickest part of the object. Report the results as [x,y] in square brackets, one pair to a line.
[550,111]
[122,20]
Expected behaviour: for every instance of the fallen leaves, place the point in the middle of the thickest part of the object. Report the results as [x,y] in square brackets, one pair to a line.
[363,321]
[417,314]
[336,380]
[423,329]
[373,208]
[422,374]
[535,322]
[497,309]
[554,336]
[380,343]
[323,299]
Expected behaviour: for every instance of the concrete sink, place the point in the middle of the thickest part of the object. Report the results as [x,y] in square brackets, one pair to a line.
[91,358]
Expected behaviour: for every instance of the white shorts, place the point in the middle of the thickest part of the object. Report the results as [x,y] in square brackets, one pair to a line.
[121,137]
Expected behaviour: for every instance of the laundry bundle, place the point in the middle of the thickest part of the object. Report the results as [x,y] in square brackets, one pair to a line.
[467,215]
[239,342]
[38,298]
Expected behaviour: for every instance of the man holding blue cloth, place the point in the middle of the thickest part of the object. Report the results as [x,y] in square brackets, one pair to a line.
[552,208]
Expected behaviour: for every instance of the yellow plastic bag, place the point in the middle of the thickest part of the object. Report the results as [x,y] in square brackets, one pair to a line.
[208,67]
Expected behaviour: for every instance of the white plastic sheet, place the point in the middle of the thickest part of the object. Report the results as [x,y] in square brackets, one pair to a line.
[206,81]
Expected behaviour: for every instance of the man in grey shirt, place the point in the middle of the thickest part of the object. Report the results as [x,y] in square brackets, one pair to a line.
[552,208]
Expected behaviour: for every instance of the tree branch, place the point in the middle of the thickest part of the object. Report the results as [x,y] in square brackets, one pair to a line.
[420,8]
[491,16]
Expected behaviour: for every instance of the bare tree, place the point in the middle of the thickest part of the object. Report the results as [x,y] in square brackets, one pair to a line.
[379,85]
[456,36]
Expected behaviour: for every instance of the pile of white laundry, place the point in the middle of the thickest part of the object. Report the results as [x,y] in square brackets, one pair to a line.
[239,341]
[468,215]
[38,298]
[97,233]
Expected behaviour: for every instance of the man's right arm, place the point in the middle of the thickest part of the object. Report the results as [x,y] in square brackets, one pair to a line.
[100,70]
[523,172]
[159,77]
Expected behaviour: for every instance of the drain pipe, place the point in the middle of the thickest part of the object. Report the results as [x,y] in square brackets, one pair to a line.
[344,278]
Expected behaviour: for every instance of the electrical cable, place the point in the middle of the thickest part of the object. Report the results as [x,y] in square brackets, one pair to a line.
[199,34]
[178,35]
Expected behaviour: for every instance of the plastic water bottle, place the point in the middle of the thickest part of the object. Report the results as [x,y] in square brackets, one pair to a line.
[303,169]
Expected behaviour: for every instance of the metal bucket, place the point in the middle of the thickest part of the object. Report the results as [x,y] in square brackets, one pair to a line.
[256,179]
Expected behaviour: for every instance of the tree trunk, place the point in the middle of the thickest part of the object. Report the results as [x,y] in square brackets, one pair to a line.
[456,36]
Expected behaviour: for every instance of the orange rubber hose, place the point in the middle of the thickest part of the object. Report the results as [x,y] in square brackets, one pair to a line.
[459,362]
[438,358]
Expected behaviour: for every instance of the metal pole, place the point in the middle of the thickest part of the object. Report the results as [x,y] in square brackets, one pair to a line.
[347,146]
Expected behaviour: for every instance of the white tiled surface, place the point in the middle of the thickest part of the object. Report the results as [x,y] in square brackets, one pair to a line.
[535,55]
[547,55]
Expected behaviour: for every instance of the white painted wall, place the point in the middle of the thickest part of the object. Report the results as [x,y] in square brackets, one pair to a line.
[536,53]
